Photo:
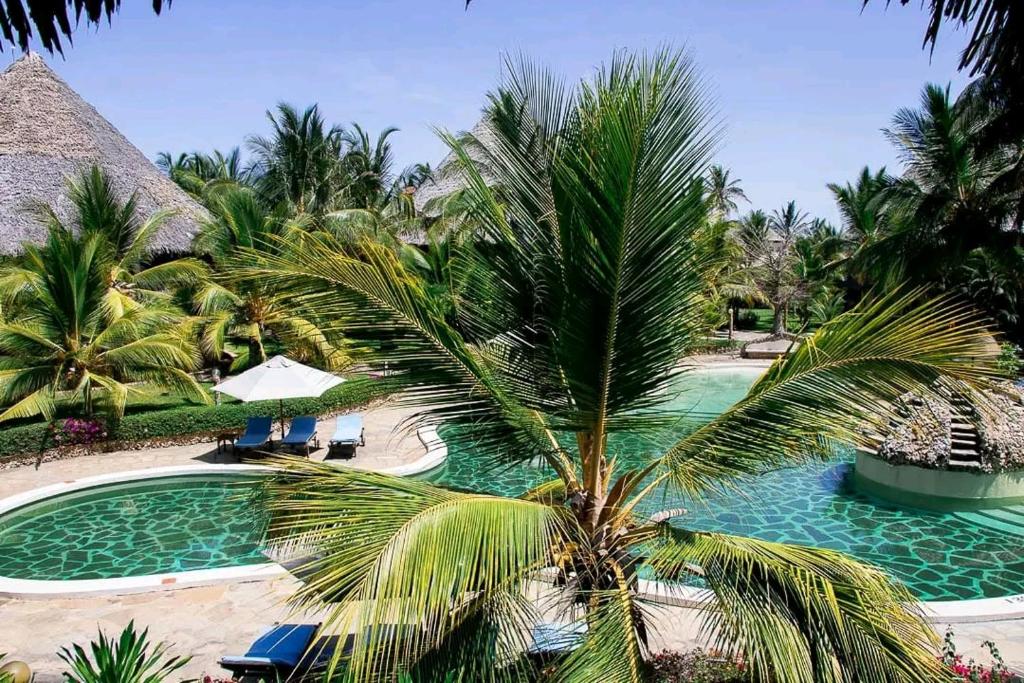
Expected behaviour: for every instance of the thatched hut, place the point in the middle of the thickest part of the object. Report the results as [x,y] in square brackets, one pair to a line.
[448,176]
[49,134]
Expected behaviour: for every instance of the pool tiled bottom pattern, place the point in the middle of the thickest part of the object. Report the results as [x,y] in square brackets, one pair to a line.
[143,528]
[939,556]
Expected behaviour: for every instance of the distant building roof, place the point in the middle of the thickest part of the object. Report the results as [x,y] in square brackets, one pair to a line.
[49,134]
[448,178]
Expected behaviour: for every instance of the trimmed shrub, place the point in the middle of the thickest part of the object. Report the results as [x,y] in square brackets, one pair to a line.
[199,420]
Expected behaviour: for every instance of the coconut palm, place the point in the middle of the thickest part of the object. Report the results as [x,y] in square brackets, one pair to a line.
[862,206]
[124,242]
[586,308]
[953,197]
[67,342]
[251,310]
[195,172]
[724,193]
[300,163]
[370,180]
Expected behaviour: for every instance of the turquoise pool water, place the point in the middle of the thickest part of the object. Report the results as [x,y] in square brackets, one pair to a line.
[939,556]
[152,526]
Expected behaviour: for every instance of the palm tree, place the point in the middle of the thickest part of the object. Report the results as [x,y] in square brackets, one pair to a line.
[368,168]
[771,259]
[125,244]
[52,20]
[863,208]
[196,172]
[953,197]
[67,343]
[724,193]
[251,310]
[585,308]
[300,163]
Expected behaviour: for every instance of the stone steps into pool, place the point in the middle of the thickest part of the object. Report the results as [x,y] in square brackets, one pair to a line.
[963,434]
[1007,520]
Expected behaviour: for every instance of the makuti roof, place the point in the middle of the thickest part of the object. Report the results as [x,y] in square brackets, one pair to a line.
[49,134]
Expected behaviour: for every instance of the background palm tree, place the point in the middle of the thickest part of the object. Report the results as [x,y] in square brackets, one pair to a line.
[300,162]
[67,343]
[251,310]
[724,193]
[195,172]
[586,304]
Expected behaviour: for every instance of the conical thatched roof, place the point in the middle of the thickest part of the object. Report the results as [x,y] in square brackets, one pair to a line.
[49,134]
[448,177]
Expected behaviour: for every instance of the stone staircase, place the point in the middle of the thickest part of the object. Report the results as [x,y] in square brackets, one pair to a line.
[964,452]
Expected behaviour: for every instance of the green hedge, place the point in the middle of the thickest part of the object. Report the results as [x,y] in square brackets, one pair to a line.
[156,424]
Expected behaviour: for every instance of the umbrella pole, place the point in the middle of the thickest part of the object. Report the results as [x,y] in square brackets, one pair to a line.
[281,405]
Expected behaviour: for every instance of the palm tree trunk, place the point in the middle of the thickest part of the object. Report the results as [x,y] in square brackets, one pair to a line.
[257,354]
[778,319]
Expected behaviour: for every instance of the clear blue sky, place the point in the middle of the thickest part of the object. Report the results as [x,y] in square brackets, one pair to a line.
[804,86]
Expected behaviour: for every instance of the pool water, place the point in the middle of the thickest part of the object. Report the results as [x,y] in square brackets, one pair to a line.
[139,528]
[939,556]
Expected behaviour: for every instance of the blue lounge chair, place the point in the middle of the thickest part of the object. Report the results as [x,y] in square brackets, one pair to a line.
[300,433]
[348,433]
[275,655]
[256,435]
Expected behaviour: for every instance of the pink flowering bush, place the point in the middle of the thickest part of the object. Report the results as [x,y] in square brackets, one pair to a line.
[972,672]
[79,430]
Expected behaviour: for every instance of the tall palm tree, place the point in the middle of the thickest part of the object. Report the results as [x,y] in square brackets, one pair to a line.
[587,306]
[863,208]
[724,193]
[252,310]
[368,168]
[300,163]
[67,344]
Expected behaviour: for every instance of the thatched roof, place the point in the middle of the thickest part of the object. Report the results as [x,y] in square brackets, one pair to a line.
[448,177]
[49,134]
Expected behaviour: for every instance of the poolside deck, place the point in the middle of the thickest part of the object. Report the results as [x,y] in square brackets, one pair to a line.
[209,621]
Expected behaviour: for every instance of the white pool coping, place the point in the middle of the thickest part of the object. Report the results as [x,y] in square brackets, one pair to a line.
[936,612]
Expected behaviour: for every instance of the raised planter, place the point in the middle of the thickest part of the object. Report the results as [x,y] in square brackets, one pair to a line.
[937,489]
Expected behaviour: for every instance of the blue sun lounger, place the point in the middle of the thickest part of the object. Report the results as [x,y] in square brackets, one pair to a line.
[300,433]
[256,435]
[348,433]
[275,655]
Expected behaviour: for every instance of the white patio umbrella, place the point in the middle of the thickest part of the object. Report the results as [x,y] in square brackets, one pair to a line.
[277,379]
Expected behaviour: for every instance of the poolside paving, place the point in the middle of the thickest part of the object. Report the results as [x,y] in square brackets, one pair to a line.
[210,621]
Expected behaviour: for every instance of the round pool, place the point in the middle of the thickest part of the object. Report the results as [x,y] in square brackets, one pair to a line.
[136,528]
[939,556]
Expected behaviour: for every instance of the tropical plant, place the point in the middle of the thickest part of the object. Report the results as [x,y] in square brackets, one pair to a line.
[724,193]
[251,310]
[124,244]
[52,20]
[129,659]
[300,163]
[771,259]
[68,340]
[195,172]
[369,177]
[584,313]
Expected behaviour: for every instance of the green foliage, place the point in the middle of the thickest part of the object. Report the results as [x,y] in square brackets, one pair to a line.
[696,666]
[591,277]
[174,422]
[1010,362]
[84,327]
[129,659]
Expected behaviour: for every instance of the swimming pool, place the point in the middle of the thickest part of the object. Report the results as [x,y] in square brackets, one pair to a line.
[939,556]
[136,528]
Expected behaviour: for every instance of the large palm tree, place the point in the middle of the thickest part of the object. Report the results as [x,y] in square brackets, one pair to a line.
[586,309]
[724,193]
[862,206]
[252,310]
[68,343]
[300,162]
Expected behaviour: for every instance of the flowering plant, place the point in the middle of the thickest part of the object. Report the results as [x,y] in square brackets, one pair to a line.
[77,430]
[970,671]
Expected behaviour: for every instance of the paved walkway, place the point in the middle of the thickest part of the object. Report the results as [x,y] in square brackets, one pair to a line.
[211,621]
